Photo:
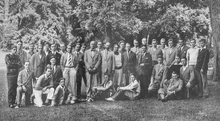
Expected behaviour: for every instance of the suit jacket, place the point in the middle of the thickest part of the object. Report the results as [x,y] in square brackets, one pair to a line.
[38,64]
[135,50]
[108,61]
[56,75]
[64,59]
[92,61]
[159,73]
[182,52]
[81,64]
[203,59]
[26,78]
[146,59]
[57,55]
[169,56]
[187,75]
[129,63]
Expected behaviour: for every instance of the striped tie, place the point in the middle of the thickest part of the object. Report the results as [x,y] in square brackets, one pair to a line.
[70,60]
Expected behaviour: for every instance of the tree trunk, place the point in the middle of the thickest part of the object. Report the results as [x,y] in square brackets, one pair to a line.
[109,32]
[215,23]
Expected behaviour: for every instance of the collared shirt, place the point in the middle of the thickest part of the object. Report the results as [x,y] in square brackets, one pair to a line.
[118,60]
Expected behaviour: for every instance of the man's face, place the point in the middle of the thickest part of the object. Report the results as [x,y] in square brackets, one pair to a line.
[183,61]
[177,58]
[27,65]
[48,72]
[53,48]
[53,61]
[92,44]
[135,43]
[19,45]
[106,77]
[132,78]
[143,49]
[14,50]
[115,48]
[46,47]
[159,60]
[83,48]
[107,45]
[77,48]
[180,43]
[63,48]
[122,45]
[193,43]
[99,45]
[62,82]
[174,75]
[162,41]
[128,47]
[69,49]
[144,41]
[202,43]
[31,48]
[40,48]
[170,44]
[154,44]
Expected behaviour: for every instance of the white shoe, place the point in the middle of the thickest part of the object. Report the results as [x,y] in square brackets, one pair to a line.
[110,99]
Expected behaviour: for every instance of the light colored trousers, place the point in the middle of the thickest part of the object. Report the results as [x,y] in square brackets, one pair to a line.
[117,78]
[38,96]
[70,81]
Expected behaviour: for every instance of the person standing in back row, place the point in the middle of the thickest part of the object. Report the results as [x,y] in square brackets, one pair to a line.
[202,65]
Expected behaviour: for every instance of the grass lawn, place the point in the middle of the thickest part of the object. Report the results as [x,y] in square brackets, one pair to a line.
[140,110]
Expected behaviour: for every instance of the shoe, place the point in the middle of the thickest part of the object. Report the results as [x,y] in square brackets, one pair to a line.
[164,100]
[72,102]
[47,101]
[18,106]
[110,99]
[89,100]
[11,106]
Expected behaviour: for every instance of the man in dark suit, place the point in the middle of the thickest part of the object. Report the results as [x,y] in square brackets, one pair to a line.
[80,72]
[182,50]
[202,65]
[56,72]
[92,59]
[129,61]
[54,53]
[144,64]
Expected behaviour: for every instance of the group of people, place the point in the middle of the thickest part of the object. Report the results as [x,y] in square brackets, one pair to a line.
[44,75]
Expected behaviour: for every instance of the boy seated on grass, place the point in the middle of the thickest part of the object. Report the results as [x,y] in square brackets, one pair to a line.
[60,93]
[104,90]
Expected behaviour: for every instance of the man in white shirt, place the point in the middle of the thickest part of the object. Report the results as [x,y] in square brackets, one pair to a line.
[192,53]
[135,49]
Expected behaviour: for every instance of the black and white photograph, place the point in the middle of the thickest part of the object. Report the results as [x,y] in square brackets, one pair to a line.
[109,60]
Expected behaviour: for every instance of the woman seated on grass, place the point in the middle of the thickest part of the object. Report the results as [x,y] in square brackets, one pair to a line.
[131,91]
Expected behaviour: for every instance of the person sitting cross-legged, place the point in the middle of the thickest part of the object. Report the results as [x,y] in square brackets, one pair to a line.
[44,85]
[61,93]
[104,90]
[131,91]
[170,89]
[25,79]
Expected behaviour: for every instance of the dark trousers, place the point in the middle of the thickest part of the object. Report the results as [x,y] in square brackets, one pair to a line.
[12,86]
[79,78]
[119,95]
[144,83]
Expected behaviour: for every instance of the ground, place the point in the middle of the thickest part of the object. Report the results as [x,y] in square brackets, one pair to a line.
[140,110]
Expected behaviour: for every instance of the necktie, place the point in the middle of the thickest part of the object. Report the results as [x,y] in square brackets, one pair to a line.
[128,54]
[70,60]
[106,56]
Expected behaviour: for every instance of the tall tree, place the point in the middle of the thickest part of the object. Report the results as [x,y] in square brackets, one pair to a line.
[215,22]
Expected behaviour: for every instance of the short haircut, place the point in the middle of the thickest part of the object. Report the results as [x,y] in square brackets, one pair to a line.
[115,45]
[184,57]
[13,46]
[154,40]
[121,42]
[128,44]
[202,40]
[160,56]
[170,40]
[52,57]
[175,72]
[48,67]
[62,79]
[20,41]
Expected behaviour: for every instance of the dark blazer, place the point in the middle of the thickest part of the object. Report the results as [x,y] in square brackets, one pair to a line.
[187,75]
[38,64]
[128,62]
[203,60]
[81,65]
[147,61]
[56,75]
[182,53]
[57,55]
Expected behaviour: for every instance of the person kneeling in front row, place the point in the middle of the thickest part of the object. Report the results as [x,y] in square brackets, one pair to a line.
[171,89]
[131,91]
[44,85]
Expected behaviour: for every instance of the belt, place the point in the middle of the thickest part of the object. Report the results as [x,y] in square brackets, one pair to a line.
[69,66]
